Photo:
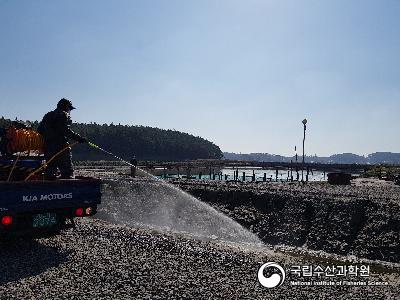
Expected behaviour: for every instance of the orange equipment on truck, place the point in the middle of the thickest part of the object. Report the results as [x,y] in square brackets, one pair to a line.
[23,140]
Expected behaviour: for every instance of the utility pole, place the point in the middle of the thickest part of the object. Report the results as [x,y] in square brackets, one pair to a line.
[304,138]
[297,165]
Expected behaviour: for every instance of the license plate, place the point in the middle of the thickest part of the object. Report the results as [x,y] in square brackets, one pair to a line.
[44,220]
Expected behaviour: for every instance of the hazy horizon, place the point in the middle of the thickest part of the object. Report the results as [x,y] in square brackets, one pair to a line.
[299,153]
[242,74]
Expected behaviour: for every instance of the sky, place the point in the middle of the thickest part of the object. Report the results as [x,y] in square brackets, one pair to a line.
[242,74]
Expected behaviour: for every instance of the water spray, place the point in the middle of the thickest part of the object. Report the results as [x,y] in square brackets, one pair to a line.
[161,205]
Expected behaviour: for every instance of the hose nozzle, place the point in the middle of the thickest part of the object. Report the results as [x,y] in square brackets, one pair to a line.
[93,145]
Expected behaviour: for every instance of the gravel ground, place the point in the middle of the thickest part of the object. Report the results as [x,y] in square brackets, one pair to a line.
[100,260]
[375,190]
[362,219]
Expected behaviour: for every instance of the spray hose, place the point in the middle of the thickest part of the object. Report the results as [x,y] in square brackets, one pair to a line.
[65,148]
[92,145]
[49,161]
[13,168]
[109,153]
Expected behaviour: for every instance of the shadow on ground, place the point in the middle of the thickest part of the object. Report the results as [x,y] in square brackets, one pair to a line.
[21,258]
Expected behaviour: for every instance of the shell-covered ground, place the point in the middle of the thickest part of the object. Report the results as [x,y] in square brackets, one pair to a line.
[361,219]
[103,260]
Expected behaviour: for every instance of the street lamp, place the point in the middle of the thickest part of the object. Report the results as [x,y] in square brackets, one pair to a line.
[304,138]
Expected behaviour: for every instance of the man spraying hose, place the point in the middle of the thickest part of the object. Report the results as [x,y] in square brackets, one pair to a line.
[56,131]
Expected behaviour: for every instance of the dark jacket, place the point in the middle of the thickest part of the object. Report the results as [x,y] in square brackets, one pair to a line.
[56,129]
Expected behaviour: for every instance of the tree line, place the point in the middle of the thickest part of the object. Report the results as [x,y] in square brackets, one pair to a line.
[142,142]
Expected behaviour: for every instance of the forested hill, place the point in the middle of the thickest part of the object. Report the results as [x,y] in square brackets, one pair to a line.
[146,143]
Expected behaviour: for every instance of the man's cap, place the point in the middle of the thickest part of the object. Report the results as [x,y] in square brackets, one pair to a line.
[65,104]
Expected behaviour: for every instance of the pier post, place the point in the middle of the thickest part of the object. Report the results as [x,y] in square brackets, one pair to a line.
[133,167]
[291,170]
[244,176]
[265,177]
[188,172]
[304,139]
[253,178]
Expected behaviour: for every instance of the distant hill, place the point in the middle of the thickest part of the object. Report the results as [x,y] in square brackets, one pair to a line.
[344,158]
[146,143]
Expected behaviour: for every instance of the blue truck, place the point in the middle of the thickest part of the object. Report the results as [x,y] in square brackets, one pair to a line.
[37,205]
[46,206]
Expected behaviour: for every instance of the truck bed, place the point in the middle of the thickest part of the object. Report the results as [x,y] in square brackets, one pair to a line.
[26,201]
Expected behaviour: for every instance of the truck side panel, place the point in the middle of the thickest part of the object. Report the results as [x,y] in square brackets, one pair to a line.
[41,195]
